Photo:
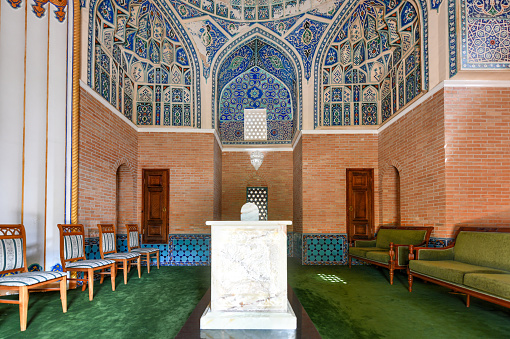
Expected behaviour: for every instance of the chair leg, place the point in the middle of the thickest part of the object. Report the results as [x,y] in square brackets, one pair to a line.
[148,262]
[84,281]
[392,273]
[350,261]
[410,280]
[157,253]
[468,300]
[125,263]
[23,307]
[63,293]
[113,273]
[102,276]
[91,283]
[139,265]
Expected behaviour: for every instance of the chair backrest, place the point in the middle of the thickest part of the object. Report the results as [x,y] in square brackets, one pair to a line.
[13,256]
[133,236]
[72,243]
[107,239]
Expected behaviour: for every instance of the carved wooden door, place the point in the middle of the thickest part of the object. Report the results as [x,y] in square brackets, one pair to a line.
[155,206]
[360,203]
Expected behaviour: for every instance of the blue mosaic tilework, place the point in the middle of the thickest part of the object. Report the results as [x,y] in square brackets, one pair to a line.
[440,242]
[452,35]
[92,248]
[189,249]
[56,267]
[324,249]
[34,268]
[290,244]
[163,254]
[122,243]
[298,245]
[485,34]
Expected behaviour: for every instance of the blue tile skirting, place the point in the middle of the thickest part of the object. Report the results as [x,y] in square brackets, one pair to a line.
[195,249]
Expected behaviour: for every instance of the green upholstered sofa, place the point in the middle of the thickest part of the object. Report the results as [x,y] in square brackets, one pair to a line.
[477,264]
[390,248]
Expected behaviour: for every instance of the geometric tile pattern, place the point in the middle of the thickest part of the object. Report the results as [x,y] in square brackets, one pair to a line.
[485,34]
[368,46]
[452,37]
[439,242]
[258,196]
[290,244]
[324,249]
[189,249]
[136,46]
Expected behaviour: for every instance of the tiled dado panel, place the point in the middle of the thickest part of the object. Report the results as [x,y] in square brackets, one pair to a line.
[189,250]
[324,249]
[332,249]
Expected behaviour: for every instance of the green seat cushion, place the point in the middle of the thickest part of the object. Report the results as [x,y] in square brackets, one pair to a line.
[379,256]
[362,251]
[495,284]
[490,249]
[448,270]
[399,236]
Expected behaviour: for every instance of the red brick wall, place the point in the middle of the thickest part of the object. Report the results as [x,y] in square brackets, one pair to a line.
[106,143]
[297,222]
[325,158]
[126,193]
[390,197]
[190,159]
[478,156]
[275,173]
[415,146]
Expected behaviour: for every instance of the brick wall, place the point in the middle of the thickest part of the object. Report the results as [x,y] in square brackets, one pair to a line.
[106,143]
[390,197]
[190,159]
[478,156]
[126,193]
[297,222]
[325,158]
[414,145]
[275,173]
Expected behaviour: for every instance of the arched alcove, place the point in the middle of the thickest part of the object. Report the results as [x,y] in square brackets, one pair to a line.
[391,197]
[140,64]
[124,198]
[257,74]
[372,66]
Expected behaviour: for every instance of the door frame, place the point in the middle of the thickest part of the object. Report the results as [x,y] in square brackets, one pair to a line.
[166,213]
[348,199]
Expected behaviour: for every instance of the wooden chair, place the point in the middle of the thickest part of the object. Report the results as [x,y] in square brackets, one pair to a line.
[13,259]
[108,250]
[133,241]
[72,256]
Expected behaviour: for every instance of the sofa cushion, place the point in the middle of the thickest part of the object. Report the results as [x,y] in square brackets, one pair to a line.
[362,251]
[448,270]
[379,256]
[495,284]
[490,249]
[399,236]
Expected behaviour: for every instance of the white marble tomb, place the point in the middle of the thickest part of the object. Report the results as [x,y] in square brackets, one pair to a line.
[249,276]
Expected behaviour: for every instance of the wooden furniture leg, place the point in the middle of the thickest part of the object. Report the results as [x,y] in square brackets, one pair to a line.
[468,300]
[125,263]
[113,272]
[63,294]
[148,262]
[23,307]
[102,275]
[410,280]
[158,259]
[91,283]
[139,265]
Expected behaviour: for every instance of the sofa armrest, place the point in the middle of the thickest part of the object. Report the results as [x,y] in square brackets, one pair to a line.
[430,253]
[364,243]
[402,254]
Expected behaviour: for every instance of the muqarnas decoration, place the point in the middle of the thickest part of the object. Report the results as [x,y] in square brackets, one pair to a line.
[257,76]
[141,66]
[372,67]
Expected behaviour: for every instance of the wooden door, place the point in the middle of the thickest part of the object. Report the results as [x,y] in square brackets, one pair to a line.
[360,203]
[155,206]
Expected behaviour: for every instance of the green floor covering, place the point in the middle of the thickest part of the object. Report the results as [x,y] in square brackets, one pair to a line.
[342,303]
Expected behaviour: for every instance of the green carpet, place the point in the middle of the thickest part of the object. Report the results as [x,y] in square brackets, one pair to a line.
[342,303]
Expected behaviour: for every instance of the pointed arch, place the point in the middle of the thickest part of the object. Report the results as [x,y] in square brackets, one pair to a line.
[228,53]
[340,27]
[154,57]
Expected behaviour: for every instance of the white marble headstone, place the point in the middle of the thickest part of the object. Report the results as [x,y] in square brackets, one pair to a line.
[249,212]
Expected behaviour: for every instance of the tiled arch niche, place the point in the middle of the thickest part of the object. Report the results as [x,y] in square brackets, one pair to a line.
[257,75]
[371,68]
[141,66]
